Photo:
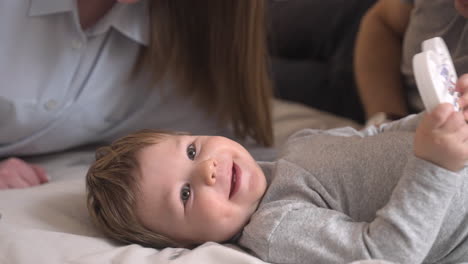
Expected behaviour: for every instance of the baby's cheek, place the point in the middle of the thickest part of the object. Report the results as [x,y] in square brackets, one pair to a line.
[218,222]
[207,208]
[217,213]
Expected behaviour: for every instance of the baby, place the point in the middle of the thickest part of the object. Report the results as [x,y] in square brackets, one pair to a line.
[394,192]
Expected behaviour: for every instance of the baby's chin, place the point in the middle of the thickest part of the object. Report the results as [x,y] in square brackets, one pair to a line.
[228,238]
[224,236]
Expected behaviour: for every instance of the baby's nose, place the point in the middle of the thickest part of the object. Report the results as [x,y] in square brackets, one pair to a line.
[208,171]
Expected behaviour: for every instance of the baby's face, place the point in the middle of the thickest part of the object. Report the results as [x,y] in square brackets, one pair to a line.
[198,188]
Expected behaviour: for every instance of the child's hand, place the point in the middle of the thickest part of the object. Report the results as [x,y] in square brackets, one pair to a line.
[441,138]
[16,173]
[462,88]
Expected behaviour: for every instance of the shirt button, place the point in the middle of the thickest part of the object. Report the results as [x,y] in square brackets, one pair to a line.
[77,44]
[50,105]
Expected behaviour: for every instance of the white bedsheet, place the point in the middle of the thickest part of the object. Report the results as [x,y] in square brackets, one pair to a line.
[49,224]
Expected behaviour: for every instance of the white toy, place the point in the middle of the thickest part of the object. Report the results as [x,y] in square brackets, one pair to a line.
[435,74]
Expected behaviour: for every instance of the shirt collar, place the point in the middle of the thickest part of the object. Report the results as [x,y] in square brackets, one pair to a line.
[132,20]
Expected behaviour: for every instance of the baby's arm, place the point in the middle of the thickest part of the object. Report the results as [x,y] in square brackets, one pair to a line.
[403,231]
[408,123]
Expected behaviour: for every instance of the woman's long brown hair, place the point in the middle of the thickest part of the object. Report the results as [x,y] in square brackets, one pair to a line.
[216,52]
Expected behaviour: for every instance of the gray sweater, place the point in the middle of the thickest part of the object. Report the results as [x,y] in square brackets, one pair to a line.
[342,195]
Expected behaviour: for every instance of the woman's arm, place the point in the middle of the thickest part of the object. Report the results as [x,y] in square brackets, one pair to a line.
[378,55]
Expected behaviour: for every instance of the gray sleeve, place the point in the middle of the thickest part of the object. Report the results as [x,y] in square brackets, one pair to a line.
[403,231]
[409,123]
[408,1]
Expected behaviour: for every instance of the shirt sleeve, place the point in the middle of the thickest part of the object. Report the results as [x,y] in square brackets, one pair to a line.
[403,231]
[409,124]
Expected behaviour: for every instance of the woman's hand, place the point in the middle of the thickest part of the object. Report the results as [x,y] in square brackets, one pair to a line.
[16,173]
[442,138]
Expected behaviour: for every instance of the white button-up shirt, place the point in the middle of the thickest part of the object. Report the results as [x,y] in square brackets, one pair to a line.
[61,86]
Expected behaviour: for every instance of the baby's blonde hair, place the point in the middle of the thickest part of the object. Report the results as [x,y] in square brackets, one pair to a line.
[112,187]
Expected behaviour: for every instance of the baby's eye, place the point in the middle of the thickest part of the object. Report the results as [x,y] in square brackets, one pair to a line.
[185,193]
[191,151]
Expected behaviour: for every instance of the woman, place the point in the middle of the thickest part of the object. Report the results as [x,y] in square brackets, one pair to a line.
[79,72]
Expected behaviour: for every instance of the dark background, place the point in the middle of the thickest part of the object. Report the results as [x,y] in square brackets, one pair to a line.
[311,44]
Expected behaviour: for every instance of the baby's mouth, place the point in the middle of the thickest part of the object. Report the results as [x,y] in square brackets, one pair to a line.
[234,181]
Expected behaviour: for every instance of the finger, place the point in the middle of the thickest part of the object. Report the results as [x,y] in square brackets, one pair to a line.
[463,101]
[465,113]
[10,173]
[461,85]
[437,117]
[30,173]
[27,174]
[17,182]
[453,123]
[463,134]
[41,173]
[464,151]
[17,168]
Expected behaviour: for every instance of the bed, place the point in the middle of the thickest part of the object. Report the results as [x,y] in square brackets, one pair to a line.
[50,224]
